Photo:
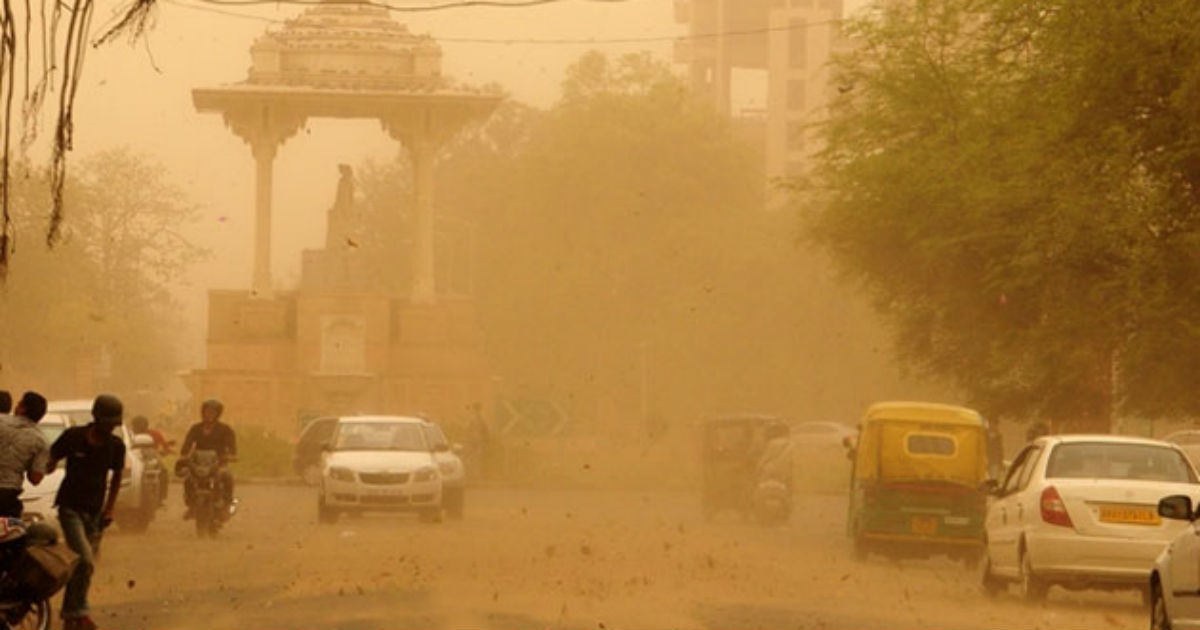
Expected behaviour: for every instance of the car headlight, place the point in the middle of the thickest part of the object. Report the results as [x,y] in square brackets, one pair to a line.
[447,468]
[339,473]
[425,474]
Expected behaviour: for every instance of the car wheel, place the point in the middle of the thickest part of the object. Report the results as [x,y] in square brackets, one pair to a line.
[1033,588]
[1159,619]
[325,514]
[991,585]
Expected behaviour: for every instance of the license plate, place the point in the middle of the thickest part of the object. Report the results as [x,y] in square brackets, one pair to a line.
[927,525]
[1129,514]
[383,492]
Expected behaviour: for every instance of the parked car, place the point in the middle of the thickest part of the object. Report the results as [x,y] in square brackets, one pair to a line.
[138,500]
[1175,580]
[450,465]
[306,460]
[1081,511]
[39,500]
[379,463]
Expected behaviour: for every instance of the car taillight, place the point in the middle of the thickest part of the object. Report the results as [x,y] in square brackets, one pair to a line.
[1054,511]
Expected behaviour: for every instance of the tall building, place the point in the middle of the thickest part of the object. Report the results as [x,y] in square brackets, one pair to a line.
[792,40]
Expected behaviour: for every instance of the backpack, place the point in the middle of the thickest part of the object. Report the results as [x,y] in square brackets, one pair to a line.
[42,570]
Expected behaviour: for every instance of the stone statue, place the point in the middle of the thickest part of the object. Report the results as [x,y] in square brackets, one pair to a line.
[343,225]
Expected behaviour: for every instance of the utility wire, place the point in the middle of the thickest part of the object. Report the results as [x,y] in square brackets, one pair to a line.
[474,40]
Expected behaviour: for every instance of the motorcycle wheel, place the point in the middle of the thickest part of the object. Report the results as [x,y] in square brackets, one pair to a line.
[204,519]
[36,618]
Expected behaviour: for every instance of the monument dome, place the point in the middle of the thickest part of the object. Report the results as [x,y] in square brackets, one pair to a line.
[337,45]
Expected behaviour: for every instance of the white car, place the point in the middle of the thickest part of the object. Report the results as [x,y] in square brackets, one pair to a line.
[1175,581]
[1081,511]
[39,500]
[379,463]
[139,498]
[450,466]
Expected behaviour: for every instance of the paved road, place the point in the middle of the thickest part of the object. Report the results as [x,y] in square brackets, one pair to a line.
[546,559]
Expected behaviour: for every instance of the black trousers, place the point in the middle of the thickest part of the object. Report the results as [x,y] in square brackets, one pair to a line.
[10,502]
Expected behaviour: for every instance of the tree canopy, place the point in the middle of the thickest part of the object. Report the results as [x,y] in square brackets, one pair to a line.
[1017,184]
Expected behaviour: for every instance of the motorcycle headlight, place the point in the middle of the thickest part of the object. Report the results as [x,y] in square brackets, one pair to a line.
[339,473]
[447,468]
[425,474]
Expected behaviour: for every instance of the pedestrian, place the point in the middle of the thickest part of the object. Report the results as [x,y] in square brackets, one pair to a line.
[85,505]
[24,452]
[5,402]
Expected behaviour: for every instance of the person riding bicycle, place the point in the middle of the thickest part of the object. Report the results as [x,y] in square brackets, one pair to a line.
[210,434]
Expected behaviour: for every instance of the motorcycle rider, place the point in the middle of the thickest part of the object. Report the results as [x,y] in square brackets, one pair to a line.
[210,434]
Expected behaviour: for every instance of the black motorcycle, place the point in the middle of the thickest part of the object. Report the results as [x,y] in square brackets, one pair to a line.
[33,567]
[210,509]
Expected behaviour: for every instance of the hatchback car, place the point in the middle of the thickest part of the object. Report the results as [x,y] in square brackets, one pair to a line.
[1081,511]
[379,463]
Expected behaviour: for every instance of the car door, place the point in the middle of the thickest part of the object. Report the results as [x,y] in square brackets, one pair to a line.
[1002,525]
[1184,566]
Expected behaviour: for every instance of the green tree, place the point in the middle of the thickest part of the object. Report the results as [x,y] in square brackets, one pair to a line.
[1014,183]
[104,295]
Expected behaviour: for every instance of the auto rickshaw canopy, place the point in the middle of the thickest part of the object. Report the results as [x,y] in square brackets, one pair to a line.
[915,441]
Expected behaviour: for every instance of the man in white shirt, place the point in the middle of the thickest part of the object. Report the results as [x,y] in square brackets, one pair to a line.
[24,452]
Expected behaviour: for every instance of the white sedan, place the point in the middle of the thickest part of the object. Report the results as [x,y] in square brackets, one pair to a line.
[1175,580]
[379,463]
[1081,511]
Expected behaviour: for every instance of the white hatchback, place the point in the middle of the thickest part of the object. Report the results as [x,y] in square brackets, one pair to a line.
[379,463]
[1081,511]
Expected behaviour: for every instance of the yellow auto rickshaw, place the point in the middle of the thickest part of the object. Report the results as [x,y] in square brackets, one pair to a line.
[920,481]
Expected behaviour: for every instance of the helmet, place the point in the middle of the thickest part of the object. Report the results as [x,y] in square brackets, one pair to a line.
[107,408]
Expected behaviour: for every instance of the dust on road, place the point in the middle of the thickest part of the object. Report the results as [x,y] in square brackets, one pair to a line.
[547,559]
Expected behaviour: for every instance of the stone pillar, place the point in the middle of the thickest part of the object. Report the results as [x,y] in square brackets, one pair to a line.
[264,161]
[423,151]
[264,128]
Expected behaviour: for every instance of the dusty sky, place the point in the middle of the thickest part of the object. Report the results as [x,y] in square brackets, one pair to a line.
[140,95]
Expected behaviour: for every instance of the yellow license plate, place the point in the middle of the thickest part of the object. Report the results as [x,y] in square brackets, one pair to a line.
[1129,514]
[927,525]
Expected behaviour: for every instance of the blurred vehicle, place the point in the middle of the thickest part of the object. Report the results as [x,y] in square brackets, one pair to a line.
[138,501]
[379,463]
[209,505]
[1188,441]
[1174,586]
[833,435]
[730,450]
[918,482]
[450,467]
[306,460]
[39,500]
[1081,511]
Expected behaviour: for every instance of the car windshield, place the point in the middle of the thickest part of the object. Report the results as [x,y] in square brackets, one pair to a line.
[379,436]
[52,425]
[1111,460]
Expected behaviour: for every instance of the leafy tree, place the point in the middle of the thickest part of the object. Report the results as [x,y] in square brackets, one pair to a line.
[1015,185]
[105,293]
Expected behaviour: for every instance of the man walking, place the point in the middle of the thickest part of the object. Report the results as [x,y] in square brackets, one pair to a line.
[85,506]
[23,452]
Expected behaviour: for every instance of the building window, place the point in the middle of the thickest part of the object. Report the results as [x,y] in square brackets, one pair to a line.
[797,43]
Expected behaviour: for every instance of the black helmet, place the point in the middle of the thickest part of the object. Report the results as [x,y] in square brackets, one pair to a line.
[107,408]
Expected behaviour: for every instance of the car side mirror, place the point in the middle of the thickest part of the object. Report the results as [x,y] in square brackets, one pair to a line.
[1176,507]
[990,486]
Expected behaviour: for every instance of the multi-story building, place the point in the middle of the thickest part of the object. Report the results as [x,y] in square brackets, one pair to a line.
[792,40]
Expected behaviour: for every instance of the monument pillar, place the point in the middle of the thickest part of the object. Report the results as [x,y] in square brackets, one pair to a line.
[423,151]
[264,128]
